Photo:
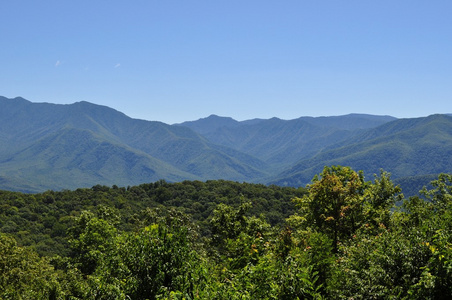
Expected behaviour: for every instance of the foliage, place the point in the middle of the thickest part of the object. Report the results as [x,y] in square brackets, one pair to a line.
[379,198]
[347,240]
[23,274]
[41,220]
[334,204]
[158,260]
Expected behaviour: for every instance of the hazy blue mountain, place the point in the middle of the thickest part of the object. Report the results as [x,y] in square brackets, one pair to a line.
[283,142]
[50,146]
[57,146]
[209,124]
[72,158]
[213,123]
[350,121]
[405,147]
[412,185]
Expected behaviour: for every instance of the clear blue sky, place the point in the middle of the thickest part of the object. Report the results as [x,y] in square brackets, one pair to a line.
[174,61]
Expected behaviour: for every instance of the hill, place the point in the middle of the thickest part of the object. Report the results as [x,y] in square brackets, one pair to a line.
[49,146]
[210,124]
[284,142]
[406,147]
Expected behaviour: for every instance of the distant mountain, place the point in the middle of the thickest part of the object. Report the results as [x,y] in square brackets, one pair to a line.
[210,124]
[405,147]
[50,146]
[412,185]
[72,158]
[283,142]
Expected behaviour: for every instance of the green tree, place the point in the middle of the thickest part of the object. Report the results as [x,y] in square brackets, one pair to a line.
[158,261]
[409,259]
[23,274]
[380,196]
[237,237]
[441,195]
[334,204]
[92,241]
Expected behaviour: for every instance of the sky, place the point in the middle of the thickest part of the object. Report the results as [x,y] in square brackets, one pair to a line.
[175,61]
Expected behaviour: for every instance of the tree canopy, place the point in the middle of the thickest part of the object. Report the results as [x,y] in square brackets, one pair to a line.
[340,238]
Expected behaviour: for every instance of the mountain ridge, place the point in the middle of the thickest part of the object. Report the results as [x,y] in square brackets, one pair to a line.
[405,147]
[24,124]
[55,146]
[274,140]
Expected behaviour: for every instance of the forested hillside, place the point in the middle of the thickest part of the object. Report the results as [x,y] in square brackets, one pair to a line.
[406,147]
[284,142]
[341,238]
[24,214]
[48,146]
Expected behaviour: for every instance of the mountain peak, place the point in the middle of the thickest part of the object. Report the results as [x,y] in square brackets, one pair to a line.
[209,124]
[16,100]
[55,146]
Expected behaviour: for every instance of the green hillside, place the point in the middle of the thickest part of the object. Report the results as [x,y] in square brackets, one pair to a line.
[406,147]
[283,142]
[72,158]
[412,185]
[49,146]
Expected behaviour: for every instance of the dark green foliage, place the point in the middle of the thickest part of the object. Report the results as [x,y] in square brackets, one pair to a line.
[90,239]
[346,240]
[378,266]
[158,260]
[41,220]
[407,258]
[23,274]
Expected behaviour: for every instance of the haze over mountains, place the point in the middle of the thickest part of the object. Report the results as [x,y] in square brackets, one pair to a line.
[49,146]
[283,142]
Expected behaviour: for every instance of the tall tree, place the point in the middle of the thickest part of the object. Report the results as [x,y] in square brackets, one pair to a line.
[334,204]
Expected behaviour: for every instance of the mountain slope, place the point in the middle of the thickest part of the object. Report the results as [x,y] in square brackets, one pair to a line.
[283,142]
[38,132]
[406,147]
[209,124]
[49,146]
[72,158]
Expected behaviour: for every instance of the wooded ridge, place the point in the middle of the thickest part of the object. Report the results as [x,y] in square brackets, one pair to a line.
[49,146]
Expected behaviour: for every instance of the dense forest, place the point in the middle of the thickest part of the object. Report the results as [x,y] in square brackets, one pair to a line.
[341,237]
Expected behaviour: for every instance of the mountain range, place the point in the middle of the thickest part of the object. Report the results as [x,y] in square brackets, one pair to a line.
[53,146]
